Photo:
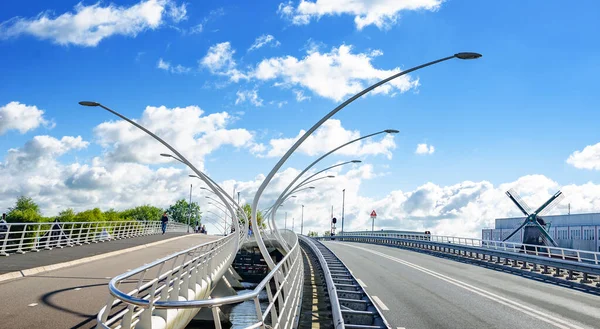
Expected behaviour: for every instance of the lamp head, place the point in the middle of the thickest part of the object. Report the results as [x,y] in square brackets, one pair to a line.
[166,155]
[311,187]
[356,161]
[193,176]
[293,196]
[87,103]
[467,55]
[392,131]
[331,176]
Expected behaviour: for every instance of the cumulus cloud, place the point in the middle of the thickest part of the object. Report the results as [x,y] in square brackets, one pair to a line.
[21,117]
[89,25]
[423,149]
[187,129]
[264,40]
[219,60]
[588,158]
[177,69]
[249,96]
[381,13]
[329,136]
[333,74]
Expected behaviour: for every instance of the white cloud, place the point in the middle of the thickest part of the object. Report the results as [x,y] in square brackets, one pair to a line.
[329,136]
[264,40]
[177,69]
[588,158]
[333,75]
[300,96]
[187,129]
[197,29]
[250,96]
[219,60]
[91,24]
[21,117]
[381,13]
[424,149]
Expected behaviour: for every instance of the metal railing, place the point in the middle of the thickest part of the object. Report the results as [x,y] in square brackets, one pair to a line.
[181,284]
[24,237]
[583,256]
[574,266]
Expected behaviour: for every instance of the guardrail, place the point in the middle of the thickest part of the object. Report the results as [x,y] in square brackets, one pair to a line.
[181,284]
[545,251]
[24,237]
[568,264]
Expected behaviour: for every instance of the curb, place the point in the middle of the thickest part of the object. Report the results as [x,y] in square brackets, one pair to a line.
[42,269]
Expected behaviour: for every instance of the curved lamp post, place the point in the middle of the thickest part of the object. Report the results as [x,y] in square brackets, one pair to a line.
[387,131]
[180,156]
[267,180]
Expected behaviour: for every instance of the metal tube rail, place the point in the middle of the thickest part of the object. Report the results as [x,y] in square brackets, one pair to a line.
[26,237]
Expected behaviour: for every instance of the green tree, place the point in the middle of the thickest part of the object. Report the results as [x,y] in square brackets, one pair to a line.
[248,210]
[67,215]
[112,215]
[143,213]
[93,215]
[24,211]
[327,233]
[180,212]
[312,233]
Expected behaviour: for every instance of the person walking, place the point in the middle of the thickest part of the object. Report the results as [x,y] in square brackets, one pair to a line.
[164,221]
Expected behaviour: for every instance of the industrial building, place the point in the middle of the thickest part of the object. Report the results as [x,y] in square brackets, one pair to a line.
[573,231]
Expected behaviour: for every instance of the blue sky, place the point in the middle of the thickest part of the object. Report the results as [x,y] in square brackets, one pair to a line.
[522,109]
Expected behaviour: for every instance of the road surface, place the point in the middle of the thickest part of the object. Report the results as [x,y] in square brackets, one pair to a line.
[71,297]
[416,290]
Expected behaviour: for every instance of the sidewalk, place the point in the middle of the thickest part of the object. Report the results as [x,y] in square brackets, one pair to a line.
[71,297]
[17,262]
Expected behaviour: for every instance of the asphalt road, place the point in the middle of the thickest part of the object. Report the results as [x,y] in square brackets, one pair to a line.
[416,290]
[71,297]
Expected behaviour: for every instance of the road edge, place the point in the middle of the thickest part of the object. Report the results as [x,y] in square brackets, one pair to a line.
[43,269]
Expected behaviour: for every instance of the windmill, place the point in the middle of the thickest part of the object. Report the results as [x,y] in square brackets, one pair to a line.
[534,226]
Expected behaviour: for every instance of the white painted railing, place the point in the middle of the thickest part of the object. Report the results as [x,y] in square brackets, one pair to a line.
[24,237]
[181,284]
[545,251]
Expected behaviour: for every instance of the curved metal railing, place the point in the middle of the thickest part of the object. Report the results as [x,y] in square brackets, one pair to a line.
[24,237]
[182,283]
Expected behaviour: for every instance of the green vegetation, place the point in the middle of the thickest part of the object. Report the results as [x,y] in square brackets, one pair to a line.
[313,233]
[27,211]
[248,210]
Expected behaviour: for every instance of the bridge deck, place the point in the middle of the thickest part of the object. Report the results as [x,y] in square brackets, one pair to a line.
[71,297]
[415,290]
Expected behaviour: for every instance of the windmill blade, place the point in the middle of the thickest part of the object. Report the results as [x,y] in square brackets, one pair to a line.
[515,231]
[546,238]
[552,205]
[521,201]
[511,196]
[550,201]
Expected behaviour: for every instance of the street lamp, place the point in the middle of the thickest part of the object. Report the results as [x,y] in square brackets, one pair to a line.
[267,180]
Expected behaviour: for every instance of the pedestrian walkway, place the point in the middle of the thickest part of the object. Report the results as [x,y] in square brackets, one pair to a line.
[71,297]
[17,262]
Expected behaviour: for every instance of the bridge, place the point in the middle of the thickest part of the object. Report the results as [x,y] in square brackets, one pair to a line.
[131,275]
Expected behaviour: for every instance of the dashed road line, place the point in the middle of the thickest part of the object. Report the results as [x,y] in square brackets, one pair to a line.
[32,304]
[362,284]
[380,303]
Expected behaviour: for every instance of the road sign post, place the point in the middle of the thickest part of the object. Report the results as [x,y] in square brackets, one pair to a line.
[373,216]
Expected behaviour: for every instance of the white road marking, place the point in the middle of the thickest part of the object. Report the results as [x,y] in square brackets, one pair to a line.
[349,270]
[107,277]
[545,317]
[380,303]
[77,289]
[362,284]
[400,328]
[32,304]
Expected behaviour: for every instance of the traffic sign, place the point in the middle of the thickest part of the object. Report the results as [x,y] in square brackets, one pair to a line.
[373,213]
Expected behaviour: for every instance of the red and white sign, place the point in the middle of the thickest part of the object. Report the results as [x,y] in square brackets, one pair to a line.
[373,213]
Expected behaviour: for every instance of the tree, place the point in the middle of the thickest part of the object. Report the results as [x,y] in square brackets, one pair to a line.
[180,212]
[93,215]
[327,233]
[24,211]
[312,233]
[248,210]
[67,215]
[143,213]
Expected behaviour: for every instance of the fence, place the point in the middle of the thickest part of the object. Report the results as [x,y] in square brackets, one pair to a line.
[24,237]
[173,296]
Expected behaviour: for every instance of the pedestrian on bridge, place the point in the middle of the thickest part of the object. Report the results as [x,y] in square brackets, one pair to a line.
[164,221]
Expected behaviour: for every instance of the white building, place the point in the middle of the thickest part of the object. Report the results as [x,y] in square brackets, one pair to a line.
[575,231]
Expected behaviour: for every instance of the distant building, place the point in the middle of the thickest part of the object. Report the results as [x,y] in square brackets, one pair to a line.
[576,231]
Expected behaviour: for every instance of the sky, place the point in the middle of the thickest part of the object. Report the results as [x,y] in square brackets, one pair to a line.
[232,84]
